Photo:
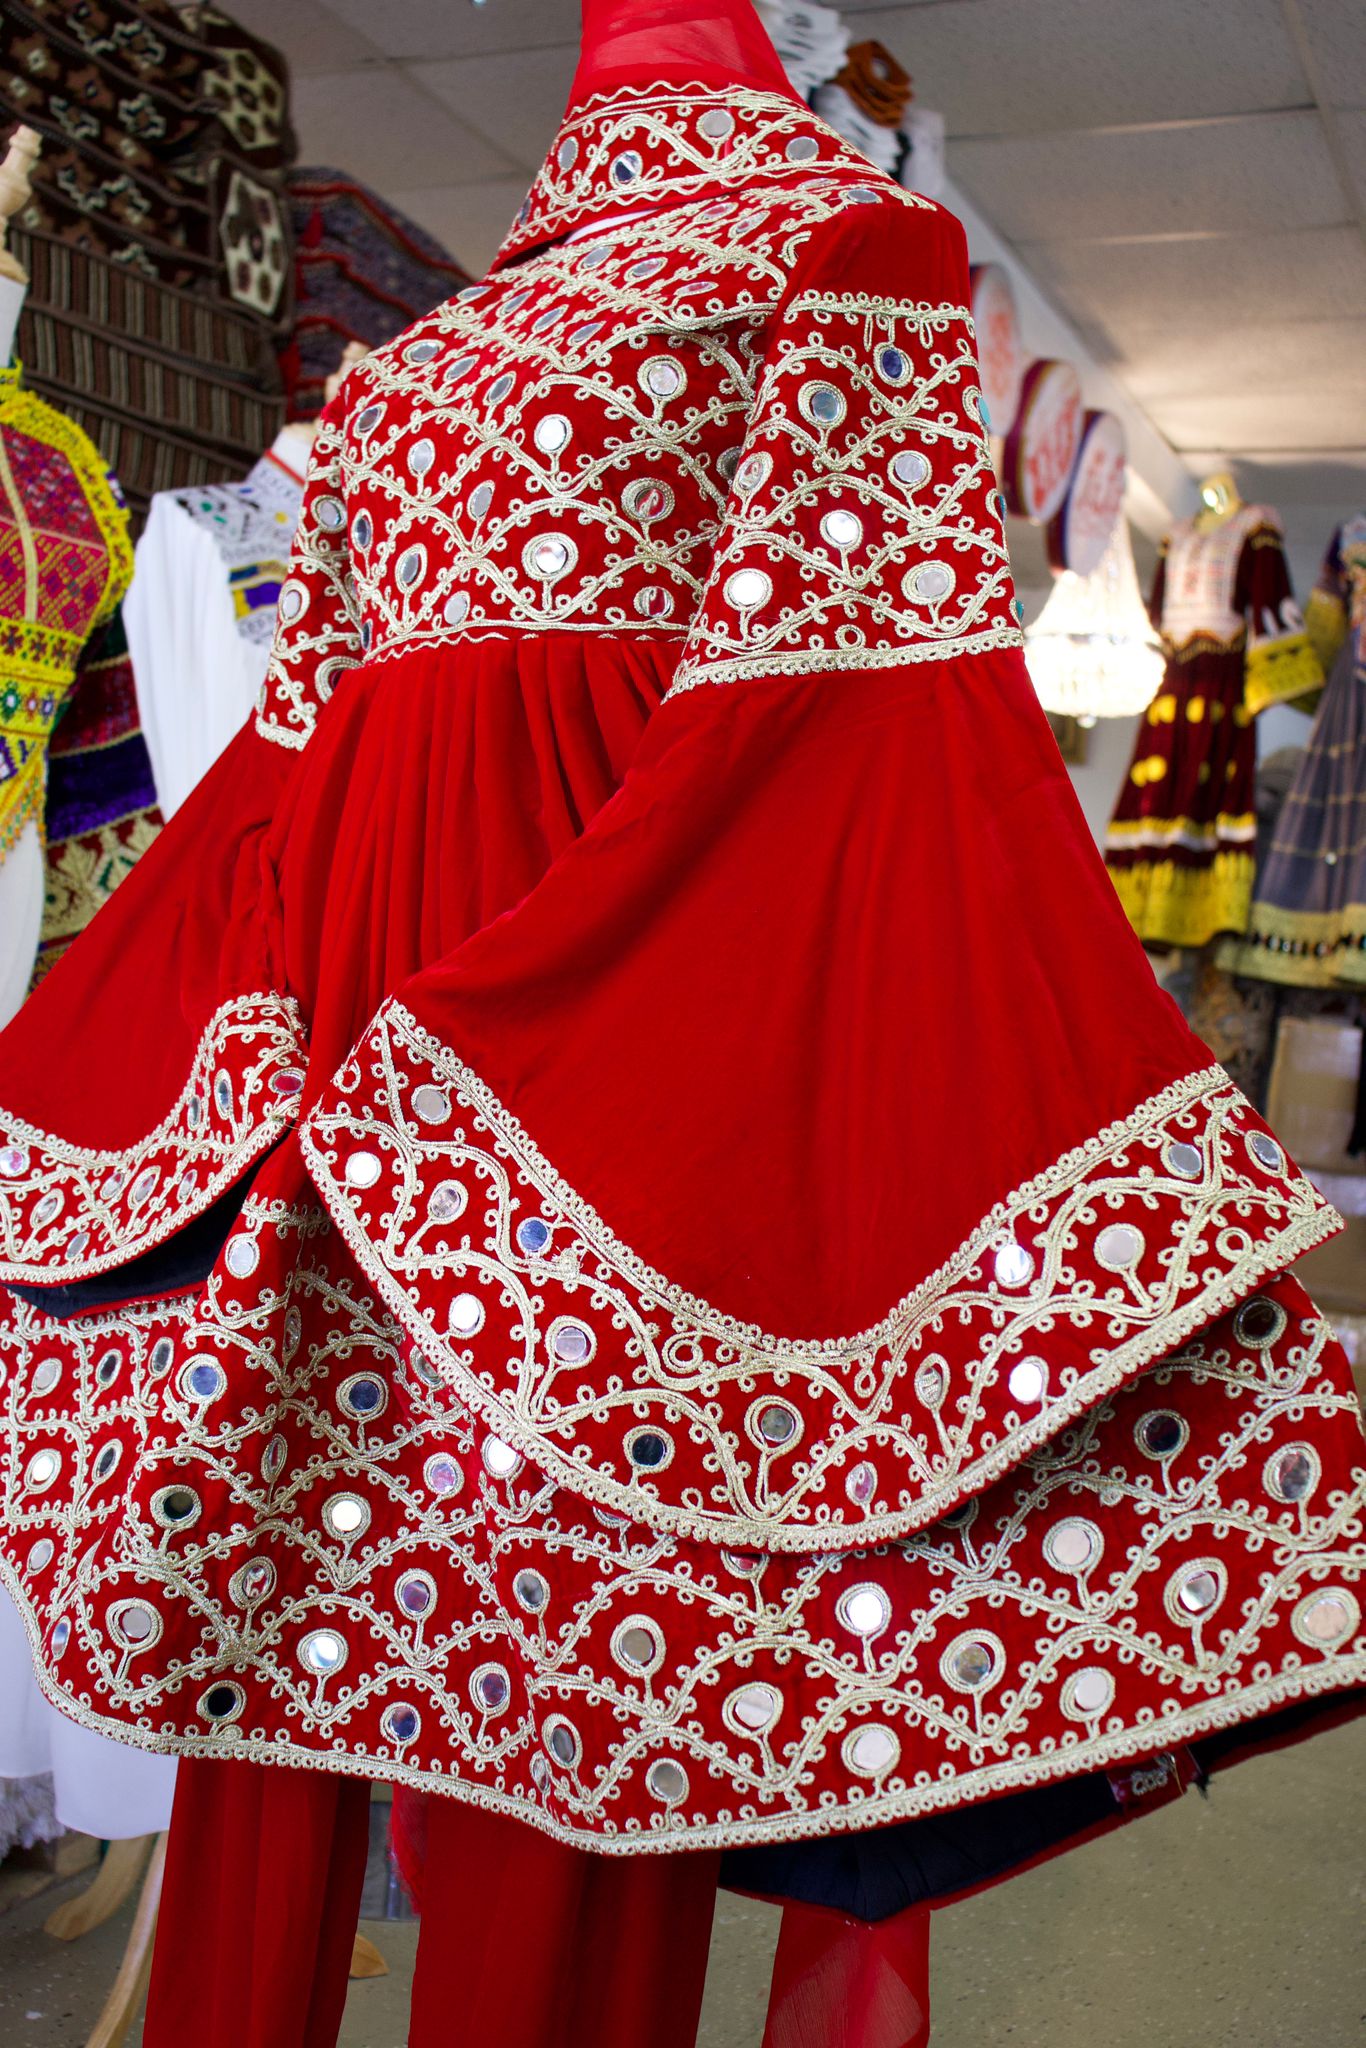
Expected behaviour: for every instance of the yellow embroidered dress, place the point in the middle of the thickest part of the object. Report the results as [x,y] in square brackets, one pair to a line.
[1180,848]
[65,561]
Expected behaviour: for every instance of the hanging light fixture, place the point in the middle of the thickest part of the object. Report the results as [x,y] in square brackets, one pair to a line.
[1092,652]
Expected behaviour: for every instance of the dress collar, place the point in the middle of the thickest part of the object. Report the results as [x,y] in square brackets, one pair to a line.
[663,145]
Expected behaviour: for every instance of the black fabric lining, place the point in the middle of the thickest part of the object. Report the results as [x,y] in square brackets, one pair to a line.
[919,1862]
[180,1262]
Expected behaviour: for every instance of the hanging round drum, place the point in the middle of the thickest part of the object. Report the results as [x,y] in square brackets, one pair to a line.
[1000,348]
[1079,532]
[1042,444]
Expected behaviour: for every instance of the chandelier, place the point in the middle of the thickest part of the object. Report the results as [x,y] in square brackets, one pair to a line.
[1092,652]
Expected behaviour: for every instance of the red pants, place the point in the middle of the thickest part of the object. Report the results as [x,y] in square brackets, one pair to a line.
[523,1942]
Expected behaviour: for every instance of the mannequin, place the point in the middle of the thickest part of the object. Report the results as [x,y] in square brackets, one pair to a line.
[102,1788]
[1220,501]
[590,1335]
[1180,843]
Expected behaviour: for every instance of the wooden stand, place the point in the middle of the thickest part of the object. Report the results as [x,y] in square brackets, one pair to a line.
[124,1863]
[129,1988]
[115,1878]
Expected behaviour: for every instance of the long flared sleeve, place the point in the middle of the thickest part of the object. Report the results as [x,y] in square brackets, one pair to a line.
[194,1045]
[813,1142]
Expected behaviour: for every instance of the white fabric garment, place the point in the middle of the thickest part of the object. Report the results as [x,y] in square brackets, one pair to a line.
[21,917]
[103,1788]
[200,615]
[811,40]
[884,147]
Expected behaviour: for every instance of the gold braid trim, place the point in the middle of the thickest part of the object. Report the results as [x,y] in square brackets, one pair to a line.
[1172,905]
[1277,671]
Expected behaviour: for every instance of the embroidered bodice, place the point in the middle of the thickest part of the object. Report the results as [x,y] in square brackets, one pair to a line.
[65,559]
[1205,597]
[748,423]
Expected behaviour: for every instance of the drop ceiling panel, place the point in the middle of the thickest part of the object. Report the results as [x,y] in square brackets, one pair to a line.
[468,220]
[311,38]
[388,132]
[454,28]
[1256,422]
[1337,38]
[1267,172]
[1322,357]
[516,99]
[1127,291]
[1352,128]
[1006,67]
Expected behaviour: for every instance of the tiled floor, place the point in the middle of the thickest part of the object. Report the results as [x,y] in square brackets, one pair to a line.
[1232,1923]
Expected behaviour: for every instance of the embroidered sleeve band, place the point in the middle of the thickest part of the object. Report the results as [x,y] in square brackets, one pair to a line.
[864,528]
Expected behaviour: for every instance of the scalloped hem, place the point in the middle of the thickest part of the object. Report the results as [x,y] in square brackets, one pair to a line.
[69,1212]
[1151,1229]
[1128,1746]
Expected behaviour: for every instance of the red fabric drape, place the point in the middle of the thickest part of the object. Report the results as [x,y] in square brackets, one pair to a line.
[651,42]
[524,1942]
[840,1983]
[531,1944]
[258,1908]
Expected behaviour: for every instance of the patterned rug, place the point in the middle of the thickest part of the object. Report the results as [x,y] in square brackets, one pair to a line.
[363,272]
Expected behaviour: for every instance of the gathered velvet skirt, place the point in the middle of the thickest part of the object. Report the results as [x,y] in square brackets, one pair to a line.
[437,1197]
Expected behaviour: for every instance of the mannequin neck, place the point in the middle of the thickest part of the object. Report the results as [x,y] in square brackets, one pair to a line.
[292,447]
[1219,500]
[12,296]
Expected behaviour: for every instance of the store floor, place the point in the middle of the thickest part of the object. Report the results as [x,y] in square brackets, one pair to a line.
[1231,1923]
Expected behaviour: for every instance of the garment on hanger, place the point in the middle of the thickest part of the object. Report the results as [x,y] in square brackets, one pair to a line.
[561,1303]
[158,237]
[200,614]
[64,561]
[1180,847]
[1308,921]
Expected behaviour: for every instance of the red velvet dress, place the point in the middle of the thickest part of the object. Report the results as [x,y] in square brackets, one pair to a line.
[612,1223]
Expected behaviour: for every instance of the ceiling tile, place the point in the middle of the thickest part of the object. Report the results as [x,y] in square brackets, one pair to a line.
[1123,291]
[455,28]
[1339,45]
[1352,128]
[468,220]
[1004,67]
[1253,421]
[516,99]
[1322,359]
[309,37]
[386,131]
[1266,172]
